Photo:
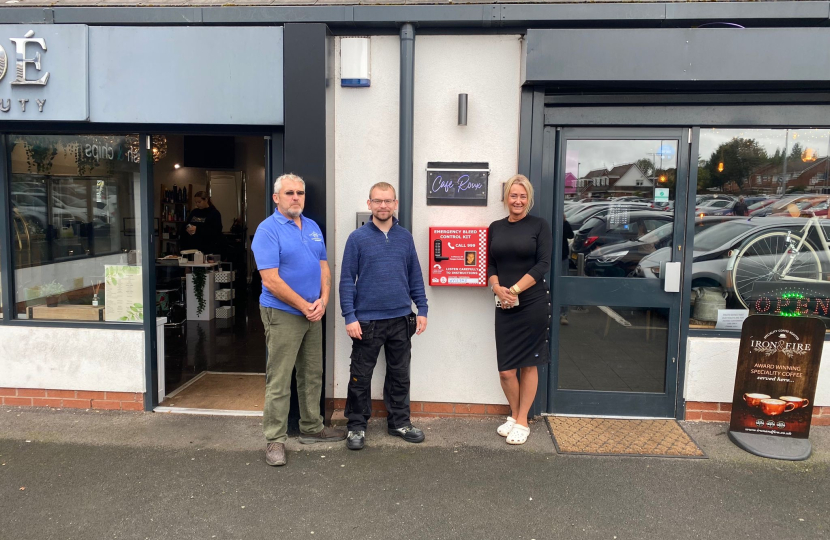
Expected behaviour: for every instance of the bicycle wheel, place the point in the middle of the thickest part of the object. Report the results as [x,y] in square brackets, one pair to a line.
[757,259]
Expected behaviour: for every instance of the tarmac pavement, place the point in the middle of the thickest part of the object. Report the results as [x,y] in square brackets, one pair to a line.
[96,475]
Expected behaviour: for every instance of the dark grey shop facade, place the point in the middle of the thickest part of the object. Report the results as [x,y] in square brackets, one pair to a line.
[663,86]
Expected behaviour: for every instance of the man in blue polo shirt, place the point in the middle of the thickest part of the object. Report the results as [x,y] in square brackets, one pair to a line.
[296,282]
[380,279]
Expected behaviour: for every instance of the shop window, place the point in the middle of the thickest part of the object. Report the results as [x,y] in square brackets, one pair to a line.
[629,221]
[76,227]
[773,257]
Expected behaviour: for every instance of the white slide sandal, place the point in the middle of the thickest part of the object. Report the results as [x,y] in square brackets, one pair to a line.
[518,435]
[504,429]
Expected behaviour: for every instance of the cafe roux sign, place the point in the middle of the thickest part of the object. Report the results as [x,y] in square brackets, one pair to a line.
[36,58]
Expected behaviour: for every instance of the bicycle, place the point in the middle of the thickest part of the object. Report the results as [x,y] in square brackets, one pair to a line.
[779,256]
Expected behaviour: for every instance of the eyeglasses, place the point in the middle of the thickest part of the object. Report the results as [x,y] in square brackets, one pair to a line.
[291,193]
[387,202]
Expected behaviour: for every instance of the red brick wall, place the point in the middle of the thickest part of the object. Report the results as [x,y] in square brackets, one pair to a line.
[702,411]
[435,409]
[71,399]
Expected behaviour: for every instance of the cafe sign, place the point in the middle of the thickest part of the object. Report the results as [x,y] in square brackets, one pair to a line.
[457,183]
[44,72]
[775,382]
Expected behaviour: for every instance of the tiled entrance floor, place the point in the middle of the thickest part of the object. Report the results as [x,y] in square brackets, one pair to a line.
[224,391]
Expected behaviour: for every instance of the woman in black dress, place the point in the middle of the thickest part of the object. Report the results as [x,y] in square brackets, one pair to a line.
[519,260]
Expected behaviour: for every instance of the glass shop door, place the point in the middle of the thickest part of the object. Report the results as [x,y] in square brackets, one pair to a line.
[617,286]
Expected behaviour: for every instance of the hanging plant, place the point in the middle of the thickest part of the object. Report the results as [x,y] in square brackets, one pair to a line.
[199,279]
[40,151]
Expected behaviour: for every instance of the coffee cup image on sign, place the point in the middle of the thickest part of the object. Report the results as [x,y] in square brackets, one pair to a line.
[774,407]
[469,258]
[754,400]
[797,401]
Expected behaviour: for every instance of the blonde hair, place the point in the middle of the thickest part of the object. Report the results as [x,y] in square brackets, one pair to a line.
[383,186]
[521,180]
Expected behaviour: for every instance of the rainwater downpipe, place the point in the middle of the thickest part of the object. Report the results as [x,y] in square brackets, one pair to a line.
[406,123]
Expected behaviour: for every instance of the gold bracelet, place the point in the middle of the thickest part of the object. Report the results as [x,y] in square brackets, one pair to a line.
[515,290]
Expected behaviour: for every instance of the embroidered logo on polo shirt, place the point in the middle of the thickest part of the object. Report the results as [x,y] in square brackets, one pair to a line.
[317,237]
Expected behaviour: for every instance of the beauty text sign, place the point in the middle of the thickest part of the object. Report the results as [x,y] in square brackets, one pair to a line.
[775,383]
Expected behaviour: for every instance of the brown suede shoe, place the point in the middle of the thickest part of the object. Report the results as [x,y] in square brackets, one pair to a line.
[327,434]
[275,454]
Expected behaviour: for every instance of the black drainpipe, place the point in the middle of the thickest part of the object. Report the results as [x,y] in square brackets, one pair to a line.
[407,119]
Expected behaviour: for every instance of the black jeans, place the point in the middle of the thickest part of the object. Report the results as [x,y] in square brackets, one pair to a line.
[394,336]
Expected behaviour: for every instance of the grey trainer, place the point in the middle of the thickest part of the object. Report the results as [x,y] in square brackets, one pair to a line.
[327,434]
[409,434]
[275,454]
[355,440]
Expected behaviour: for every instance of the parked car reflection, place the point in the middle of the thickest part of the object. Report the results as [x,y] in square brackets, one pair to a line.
[716,248]
[792,205]
[621,259]
[601,231]
[716,207]
[579,217]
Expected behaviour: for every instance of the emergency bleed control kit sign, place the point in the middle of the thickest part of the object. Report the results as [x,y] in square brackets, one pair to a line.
[775,383]
[458,257]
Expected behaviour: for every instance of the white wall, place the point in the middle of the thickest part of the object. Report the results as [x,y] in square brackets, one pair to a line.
[711,365]
[455,360]
[72,359]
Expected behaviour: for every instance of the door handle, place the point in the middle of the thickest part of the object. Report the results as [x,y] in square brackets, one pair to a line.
[671,281]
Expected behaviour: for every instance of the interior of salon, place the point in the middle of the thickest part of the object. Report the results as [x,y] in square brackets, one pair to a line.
[77,238]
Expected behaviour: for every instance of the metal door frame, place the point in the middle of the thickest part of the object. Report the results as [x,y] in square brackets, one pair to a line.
[638,404]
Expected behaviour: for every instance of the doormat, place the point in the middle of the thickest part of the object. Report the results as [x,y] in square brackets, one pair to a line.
[612,437]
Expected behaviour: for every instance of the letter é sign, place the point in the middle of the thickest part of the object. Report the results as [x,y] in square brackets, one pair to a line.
[22,61]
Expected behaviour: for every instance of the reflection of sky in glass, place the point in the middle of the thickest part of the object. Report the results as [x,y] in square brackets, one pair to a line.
[587,155]
[769,139]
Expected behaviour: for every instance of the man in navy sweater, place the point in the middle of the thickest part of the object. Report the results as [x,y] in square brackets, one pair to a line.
[380,279]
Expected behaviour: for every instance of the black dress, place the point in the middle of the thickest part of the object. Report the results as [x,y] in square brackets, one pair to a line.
[516,249]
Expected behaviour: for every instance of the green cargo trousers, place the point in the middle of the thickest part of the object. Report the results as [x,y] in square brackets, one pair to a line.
[293,341]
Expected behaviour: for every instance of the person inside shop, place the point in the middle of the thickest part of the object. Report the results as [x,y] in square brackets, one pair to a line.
[204,226]
[379,281]
[520,247]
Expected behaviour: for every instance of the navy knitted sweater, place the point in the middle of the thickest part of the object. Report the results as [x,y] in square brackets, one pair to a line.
[381,275]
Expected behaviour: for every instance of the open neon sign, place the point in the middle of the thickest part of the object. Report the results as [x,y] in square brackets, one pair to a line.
[792,305]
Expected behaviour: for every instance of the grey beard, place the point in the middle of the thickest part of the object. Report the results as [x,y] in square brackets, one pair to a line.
[292,214]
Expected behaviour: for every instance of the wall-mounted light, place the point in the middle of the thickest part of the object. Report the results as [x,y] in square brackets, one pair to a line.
[177,166]
[462,109]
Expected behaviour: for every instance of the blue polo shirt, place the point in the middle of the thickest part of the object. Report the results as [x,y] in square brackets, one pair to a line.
[279,243]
